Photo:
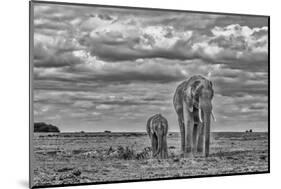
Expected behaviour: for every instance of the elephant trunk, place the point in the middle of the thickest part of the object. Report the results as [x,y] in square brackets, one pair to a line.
[206,113]
[207,124]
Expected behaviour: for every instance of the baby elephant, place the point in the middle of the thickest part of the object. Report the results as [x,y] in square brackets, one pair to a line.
[157,129]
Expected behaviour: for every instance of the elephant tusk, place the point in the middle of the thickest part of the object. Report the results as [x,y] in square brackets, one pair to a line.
[213,116]
[200,116]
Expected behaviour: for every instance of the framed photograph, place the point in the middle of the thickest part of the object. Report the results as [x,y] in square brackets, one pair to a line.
[123,94]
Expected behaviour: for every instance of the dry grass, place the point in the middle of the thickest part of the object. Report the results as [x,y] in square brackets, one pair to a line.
[70,158]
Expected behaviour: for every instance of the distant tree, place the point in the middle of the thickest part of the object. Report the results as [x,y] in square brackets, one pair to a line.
[106,131]
[45,128]
[250,130]
[247,131]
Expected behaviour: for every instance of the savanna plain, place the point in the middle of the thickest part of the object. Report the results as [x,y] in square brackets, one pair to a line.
[74,158]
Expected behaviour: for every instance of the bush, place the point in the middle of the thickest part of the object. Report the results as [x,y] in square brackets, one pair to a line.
[144,154]
[43,127]
[128,153]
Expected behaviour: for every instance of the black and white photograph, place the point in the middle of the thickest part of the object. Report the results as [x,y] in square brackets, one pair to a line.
[122,94]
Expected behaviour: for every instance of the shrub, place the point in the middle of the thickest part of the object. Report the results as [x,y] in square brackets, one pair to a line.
[43,127]
[127,153]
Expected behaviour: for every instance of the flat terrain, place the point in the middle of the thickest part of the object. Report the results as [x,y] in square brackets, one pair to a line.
[72,158]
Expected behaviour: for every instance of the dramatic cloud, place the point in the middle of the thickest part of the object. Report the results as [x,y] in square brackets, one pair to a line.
[98,68]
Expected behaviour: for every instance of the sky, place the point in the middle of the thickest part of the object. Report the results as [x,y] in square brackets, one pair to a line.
[104,68]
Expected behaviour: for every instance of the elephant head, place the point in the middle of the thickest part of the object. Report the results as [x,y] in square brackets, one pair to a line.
[199,96]
[205,96]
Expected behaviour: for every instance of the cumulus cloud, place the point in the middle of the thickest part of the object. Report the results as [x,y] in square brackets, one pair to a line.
[242,38]
[162,41]
[98,67]
[55,51]
[112,36]
[161,37]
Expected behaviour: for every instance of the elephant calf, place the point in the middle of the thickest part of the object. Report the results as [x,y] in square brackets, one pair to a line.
[157,129]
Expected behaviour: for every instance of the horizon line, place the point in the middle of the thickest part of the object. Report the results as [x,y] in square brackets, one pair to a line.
[218,131]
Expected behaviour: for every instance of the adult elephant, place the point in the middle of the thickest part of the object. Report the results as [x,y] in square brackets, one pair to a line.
[193,104]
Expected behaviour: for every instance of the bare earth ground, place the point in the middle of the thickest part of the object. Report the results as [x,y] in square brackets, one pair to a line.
[73,158]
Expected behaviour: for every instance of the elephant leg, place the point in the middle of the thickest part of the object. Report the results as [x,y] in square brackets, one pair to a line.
[182,129]
[153,144]
[161,154]
[188,136]
[200,142]
[159,147]
[159,151]
[162,148]
[165,147]
[195,137]
[207,140]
